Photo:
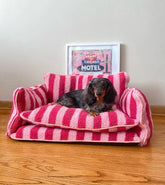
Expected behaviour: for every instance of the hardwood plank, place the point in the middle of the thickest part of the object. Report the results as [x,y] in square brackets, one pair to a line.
[158,110]
[5,104]
[74,164]
[5,111]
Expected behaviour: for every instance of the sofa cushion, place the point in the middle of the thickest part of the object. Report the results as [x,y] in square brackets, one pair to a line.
[52,115]
[41,133]
[57,85]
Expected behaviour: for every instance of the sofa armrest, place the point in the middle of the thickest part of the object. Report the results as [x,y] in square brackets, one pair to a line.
[129,102]
[134,103]
[31,97]
[25,99]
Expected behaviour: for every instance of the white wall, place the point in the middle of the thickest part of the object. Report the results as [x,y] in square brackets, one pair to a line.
[33,35]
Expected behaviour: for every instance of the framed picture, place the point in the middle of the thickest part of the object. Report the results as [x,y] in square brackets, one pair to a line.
[93,58]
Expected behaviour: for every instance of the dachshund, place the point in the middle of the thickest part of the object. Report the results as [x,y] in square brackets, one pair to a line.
[98,96]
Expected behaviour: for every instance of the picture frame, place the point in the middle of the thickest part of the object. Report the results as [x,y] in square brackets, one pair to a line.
[93,58]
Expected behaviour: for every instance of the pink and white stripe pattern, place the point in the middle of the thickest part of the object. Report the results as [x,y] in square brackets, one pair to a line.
[25,99]
[78,119]
[37,133]
[134,103]
[57,85]
[32,118]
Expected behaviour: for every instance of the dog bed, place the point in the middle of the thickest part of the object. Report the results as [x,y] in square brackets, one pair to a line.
[35,117]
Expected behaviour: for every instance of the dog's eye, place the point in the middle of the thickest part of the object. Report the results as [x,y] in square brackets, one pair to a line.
[103,84]
[95,83]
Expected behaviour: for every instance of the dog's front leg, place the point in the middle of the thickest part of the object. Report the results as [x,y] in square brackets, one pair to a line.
[90,111]
[93,113]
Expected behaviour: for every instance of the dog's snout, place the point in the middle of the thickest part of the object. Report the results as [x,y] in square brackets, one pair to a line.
[99,93]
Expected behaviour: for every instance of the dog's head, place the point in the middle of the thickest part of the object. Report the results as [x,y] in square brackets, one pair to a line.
[102,89]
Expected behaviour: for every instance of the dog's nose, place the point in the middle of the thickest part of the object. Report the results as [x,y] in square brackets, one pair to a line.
[99,93]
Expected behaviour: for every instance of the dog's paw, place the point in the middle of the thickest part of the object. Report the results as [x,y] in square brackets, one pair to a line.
[59,103]
[93,113]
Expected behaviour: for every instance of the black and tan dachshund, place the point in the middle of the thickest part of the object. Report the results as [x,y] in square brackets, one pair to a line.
[98,96]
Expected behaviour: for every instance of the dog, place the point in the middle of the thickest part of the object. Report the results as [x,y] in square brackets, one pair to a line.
[98,96]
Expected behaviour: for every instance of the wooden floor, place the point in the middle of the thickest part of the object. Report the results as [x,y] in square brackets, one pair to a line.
[81,164]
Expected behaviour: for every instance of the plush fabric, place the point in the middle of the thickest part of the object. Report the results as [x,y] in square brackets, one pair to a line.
[25,99]
[134,103]
[57,85]
[78,119]
[38,133]
[35,117]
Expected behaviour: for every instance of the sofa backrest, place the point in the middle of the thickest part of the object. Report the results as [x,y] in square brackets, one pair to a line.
[57,85]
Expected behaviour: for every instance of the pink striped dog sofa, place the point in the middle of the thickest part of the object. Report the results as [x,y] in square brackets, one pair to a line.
[35,117]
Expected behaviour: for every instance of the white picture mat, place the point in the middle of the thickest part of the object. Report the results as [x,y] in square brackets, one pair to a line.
[115,47]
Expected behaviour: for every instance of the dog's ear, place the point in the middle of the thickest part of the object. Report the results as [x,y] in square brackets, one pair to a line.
[88,94]
[89,88]
[110,94]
